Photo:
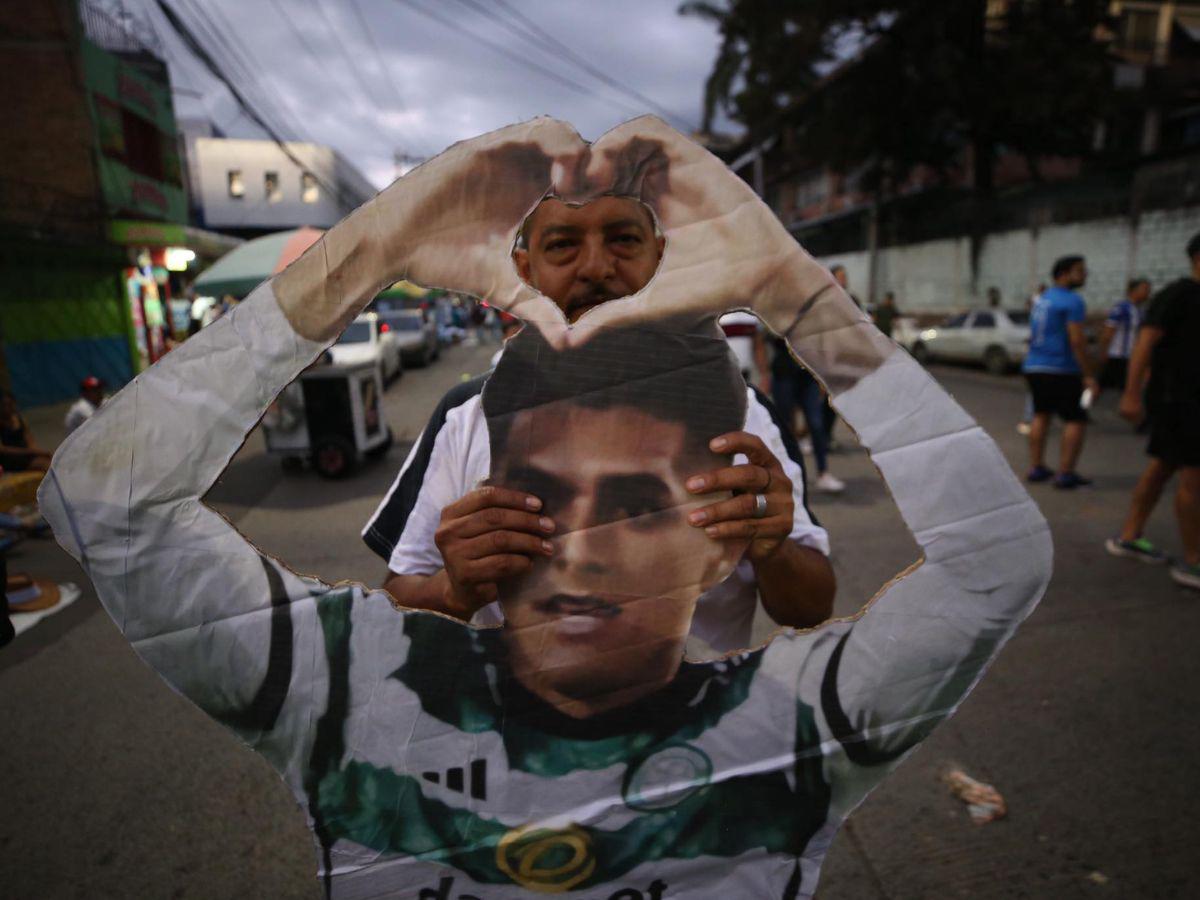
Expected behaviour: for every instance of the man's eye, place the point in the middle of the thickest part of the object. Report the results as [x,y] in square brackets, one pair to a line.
[627,239]
[562,244]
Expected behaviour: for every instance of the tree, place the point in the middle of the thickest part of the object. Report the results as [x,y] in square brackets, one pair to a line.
[892,85]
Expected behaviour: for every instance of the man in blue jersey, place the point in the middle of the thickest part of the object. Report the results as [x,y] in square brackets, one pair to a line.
[1058,371]
[1120,334]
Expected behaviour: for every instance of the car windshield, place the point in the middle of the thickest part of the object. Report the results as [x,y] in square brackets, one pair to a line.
[954,321]
[356,333]
[404,323]
[1019,317]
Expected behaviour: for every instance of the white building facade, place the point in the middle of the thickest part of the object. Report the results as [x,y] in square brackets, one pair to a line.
[252,186]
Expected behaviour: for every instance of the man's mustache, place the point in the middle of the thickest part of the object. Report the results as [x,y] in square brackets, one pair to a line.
[592,296]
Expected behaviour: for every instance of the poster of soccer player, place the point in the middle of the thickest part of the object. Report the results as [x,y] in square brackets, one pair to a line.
[574,749]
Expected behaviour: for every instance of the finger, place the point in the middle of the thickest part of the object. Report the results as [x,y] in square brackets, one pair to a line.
[503,543]
[739,507]
[491,495]
[750,445]
[752,529]
[747,477]
[493,568]
[498,518]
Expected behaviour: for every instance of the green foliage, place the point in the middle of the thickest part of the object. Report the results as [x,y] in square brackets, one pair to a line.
[894,85]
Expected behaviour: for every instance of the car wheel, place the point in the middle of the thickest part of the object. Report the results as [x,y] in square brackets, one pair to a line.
[995,360]
[921,353]
[334,457]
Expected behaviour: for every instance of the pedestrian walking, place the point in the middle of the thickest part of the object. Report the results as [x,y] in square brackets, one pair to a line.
[1120,333]
[1164,378]
[1058,370]
[886,314]
[793,385]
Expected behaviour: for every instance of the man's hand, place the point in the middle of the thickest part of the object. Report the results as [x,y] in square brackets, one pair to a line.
[733,519]
[490,534]
[1131,407]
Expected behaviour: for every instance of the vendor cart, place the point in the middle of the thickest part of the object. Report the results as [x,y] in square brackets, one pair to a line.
[331,418]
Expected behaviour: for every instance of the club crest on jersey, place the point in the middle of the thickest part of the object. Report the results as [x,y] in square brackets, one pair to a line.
[546,860]
[666,778]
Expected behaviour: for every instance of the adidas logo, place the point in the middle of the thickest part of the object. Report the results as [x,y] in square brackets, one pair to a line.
[455,777]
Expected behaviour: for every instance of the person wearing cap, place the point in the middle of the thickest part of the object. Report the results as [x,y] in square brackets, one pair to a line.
[91,395]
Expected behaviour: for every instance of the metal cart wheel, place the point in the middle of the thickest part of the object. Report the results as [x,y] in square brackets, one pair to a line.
[334,457]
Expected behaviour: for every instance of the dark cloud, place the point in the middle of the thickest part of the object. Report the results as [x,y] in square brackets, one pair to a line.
[311,65]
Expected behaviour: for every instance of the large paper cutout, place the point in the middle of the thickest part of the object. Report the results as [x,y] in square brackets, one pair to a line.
[425,765]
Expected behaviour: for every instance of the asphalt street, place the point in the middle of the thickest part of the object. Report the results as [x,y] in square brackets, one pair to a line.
[112,786]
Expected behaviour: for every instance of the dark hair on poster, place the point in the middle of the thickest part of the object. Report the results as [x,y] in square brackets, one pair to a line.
[674,376]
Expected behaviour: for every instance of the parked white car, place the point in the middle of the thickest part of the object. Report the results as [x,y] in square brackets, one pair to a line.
[414,333]
[365,340]
[997,338]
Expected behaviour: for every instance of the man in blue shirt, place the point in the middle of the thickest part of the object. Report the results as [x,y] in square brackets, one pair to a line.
[1058,371]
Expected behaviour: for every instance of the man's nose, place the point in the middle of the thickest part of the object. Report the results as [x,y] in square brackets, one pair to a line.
[580,547]
[596,263]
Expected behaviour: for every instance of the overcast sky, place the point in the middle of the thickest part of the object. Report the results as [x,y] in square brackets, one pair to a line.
[313,68]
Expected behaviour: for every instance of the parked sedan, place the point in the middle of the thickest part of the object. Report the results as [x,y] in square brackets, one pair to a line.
[415,335]
[997,338]
[367,339]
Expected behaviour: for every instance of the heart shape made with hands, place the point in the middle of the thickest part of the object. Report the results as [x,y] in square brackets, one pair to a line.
[452,223]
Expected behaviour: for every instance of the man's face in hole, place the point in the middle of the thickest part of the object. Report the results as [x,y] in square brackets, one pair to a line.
[581,256]
[604,620]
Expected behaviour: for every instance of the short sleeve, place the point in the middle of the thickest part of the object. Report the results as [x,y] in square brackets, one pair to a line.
[449,459]
[760,421]
[1077,310]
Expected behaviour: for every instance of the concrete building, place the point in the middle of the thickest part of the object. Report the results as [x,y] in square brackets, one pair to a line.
[91,200]
[252,187]
[1131,205]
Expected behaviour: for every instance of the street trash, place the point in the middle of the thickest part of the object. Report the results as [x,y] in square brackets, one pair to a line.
[984,802]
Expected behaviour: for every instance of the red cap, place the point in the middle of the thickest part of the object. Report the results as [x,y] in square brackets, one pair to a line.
[90,383]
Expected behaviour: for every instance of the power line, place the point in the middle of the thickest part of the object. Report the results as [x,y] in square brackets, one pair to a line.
[556,77]
[380,62]
[534,32]
[226,38]
[197,49]
[337,38]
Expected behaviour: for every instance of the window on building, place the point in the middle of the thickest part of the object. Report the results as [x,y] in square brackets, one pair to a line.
[309,191]
[271,187]
[237,187]
[143,145]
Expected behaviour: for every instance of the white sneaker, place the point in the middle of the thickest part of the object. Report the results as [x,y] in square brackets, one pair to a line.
[828,484]
[1024,428]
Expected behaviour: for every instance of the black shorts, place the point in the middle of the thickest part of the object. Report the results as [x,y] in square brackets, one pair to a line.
[1175,433]
[1057,395]
[1113,376]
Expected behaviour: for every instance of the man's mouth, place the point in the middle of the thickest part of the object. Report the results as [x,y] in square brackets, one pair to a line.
[578,605]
